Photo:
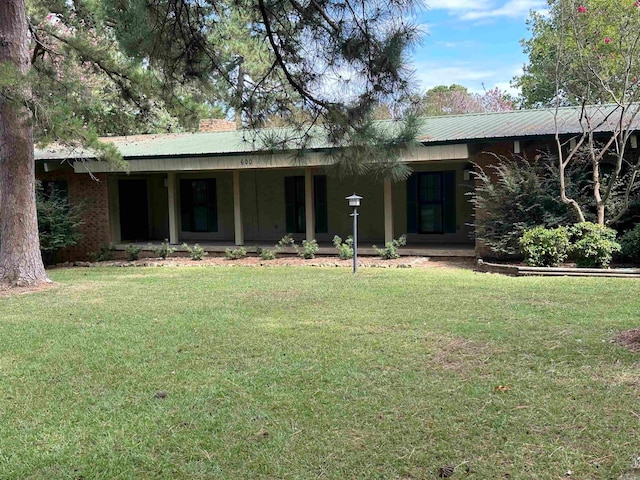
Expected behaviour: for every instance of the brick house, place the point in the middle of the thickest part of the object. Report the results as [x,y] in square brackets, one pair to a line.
[214,188]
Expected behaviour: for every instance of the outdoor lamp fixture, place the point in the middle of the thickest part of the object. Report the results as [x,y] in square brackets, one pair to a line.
[354,201]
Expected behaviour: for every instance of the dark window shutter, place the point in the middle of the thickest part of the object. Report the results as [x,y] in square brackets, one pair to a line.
[212,205]
[186,204]
[412,203]
[290,203]
[449,201]
[320,203]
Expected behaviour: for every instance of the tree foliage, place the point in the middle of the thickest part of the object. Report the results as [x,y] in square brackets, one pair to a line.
[587,53]
[456,99]
[582,51]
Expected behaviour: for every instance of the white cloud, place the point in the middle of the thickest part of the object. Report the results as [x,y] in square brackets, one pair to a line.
[431,75]
[484,10]
[512,8]
[458,4]
[466,44]
[475,77]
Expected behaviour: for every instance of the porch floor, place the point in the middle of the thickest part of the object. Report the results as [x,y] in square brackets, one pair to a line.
[326,248]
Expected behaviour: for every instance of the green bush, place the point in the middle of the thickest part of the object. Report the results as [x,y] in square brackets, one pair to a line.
[133,252]
[106,253]
[267,254]
[345,249]
[309,249]
[286,241]
[592,245]
[58,223]
[391,248]
[630,245]
[545,247]
[164,250]
[515,195]
[235,254]
[196,252]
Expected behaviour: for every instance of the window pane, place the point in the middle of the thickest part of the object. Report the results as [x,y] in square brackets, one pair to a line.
[200,216]
[430,187]
[199,192]
[431,218]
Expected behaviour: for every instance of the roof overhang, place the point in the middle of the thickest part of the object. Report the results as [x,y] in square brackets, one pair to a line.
[257,161]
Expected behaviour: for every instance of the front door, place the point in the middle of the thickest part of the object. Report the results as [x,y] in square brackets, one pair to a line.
[134,210]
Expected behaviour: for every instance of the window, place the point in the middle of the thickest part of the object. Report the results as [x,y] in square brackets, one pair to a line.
[295,204]
[431,206]
[198,205]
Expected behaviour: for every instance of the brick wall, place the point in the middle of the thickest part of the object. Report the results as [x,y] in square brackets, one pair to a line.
[216,125]
[93,194]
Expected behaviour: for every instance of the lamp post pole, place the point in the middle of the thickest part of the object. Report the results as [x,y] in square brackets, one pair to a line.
[355,239]
[354,201]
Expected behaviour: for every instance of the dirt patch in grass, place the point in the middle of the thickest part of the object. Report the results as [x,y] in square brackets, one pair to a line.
[629,339]
[6,291]
[462,355]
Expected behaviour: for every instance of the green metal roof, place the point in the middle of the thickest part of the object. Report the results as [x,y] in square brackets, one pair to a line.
[435,130]
[515,124]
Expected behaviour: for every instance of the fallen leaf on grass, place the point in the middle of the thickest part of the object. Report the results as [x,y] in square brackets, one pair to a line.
[502,388]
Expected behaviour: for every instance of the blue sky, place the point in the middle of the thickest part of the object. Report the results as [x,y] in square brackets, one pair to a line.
[472,42]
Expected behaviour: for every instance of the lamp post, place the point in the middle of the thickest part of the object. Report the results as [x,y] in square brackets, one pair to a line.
[354,201]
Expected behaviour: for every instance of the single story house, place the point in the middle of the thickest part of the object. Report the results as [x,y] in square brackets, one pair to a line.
[213,188]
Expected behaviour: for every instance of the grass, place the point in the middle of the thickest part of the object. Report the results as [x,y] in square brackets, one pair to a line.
[300,373]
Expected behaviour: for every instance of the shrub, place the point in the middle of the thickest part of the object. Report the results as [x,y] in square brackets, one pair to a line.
[133,252]
[391,248]
[266,254]
[235,254]
[286,241]
[164,250]
[593,245]
[196,252]
[630,244]
[309,249]
[106,253]
[58,223]
[517,195]
[345,249]
[545,247]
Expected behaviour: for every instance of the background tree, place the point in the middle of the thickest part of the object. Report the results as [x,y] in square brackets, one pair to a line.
[456,99]
[67,66]
[587,54]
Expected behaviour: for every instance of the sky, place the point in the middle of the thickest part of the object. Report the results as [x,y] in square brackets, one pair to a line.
[472,43]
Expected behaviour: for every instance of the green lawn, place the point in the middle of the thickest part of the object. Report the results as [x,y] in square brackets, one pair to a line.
[303,373]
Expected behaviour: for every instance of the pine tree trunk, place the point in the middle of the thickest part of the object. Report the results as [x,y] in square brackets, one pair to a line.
[20,259]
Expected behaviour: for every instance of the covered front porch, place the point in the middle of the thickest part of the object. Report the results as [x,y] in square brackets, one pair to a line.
[254,200]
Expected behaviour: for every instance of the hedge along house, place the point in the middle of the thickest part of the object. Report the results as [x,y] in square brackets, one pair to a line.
[213,188]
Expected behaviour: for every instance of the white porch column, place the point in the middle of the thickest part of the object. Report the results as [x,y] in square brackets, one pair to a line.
[308,205]
[173,216]
[237,211]
[388,212]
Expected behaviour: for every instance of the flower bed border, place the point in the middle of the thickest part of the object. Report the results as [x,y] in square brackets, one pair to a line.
[524,271]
